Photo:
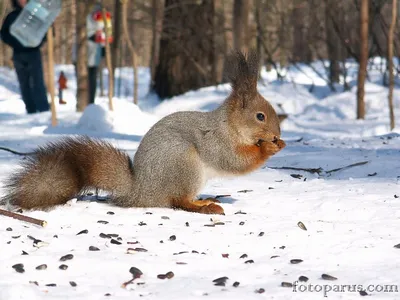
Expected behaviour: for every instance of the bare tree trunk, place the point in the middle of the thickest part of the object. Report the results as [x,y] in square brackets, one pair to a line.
[362,71]
[332,43]
[240,24]
[101,79]
[156,24]
[108,62]
[3,11]
[185,59]
[121,54]
[299,48]
[390,60]
[51,87]
[117,36]
[82,90]
[131,48]
[259,9]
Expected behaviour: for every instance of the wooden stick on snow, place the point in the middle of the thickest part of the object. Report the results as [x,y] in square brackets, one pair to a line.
[20,217]
[50,49]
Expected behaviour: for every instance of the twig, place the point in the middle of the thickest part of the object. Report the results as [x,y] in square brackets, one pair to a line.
[347,167]
[320,170]
[108,61]
[310,170]
[16,152]
[10,214]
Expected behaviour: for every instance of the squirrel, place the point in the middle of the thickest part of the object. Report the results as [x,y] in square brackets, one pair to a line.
[174,160]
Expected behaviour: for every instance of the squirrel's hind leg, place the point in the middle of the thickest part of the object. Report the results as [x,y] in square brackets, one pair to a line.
[199,206]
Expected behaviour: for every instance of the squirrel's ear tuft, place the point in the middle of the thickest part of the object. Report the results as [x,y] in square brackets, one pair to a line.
[242,71]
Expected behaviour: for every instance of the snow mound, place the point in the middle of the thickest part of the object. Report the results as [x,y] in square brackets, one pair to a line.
[126,118]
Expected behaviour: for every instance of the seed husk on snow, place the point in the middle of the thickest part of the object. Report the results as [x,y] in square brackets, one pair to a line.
[102,222]
[296,261]
[328,277]
[135,272]
[241,223]
[84,231]
[250,261]
[303,279]
[134,250]
[164,218]
[167,275]
[243,255]
[182,252]
[110,213]
[220,281]
[187,224]
[286,284]
[245,191]
[397,246]
[261,233]
[301,225]
[51,284]
[363,293]
[115,242]
[73,283]
[236,284]
[63,267]
[104,236]
[19,268]
[274,256]
[24,253]
[259,291]
[93,248]
[240,213]
[41,267]
[172,238]
[9,229]
[66,257]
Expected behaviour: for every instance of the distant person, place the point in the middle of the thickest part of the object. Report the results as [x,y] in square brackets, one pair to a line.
[96,40]
[28,65]
[62,85]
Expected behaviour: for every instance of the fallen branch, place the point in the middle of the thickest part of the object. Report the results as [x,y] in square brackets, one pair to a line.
[16,152]
[310,170]
[320,170]
[10,214]
[347,167]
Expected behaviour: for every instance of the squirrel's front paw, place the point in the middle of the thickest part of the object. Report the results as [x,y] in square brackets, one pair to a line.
[280,143]
[212,209]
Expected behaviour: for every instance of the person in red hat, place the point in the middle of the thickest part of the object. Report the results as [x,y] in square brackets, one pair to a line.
[62,85]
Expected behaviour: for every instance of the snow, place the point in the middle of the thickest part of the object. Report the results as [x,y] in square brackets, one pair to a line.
[351,215]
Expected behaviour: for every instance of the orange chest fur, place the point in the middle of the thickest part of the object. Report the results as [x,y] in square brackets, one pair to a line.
[253,156]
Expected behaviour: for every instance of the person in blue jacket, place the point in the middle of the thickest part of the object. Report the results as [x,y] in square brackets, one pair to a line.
[28,65]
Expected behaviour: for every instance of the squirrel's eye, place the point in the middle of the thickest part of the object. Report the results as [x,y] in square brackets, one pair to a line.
[260,117]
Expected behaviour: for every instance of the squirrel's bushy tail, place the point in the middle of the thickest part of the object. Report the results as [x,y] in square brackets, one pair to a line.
[58,172]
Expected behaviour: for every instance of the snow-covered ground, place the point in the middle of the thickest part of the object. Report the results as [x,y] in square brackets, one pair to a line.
[351,215]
